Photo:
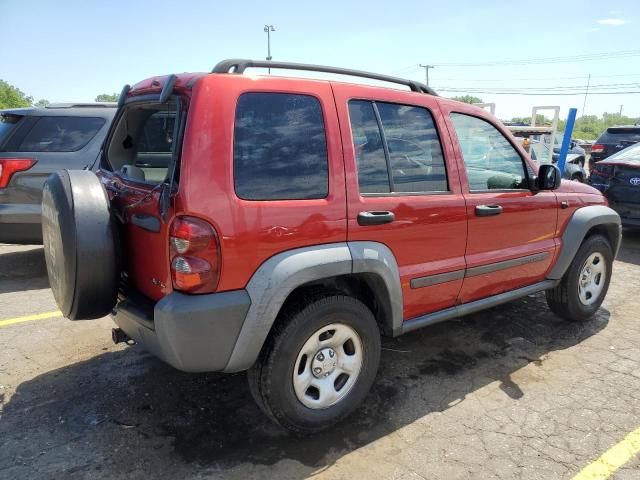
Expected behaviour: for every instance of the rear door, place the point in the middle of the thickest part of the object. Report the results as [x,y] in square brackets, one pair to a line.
[511,230]
[399,166]
[137,183]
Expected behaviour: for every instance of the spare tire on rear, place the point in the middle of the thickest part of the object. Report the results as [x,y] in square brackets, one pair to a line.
[80,245]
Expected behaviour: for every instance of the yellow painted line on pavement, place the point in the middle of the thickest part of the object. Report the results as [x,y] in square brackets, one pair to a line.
[30,318]
[612,459]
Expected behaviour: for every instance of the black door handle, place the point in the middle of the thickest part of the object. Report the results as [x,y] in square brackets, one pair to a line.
[488,210]
[379,217]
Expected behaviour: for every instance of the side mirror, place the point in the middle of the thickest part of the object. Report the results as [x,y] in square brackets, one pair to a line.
[573,144]
[549,177]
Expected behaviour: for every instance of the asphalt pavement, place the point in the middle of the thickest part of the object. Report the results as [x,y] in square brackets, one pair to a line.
[513,392]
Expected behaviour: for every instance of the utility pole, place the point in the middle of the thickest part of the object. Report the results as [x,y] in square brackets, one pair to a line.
[586,92]
[620,110]
[268,29]
[426,70]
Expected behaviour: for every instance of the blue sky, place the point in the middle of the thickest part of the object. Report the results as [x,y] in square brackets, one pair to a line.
[73,50]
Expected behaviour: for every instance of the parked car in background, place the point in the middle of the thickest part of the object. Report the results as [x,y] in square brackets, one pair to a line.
[575,155]
[573,167]
[35,142]
[612,140]
[618,177]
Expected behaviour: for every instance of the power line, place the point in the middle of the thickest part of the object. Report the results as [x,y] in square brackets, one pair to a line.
[533,93]
[603,87]
[546,60]
[538,78]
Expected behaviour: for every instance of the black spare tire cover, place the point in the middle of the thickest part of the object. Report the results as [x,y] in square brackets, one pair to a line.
[80,246]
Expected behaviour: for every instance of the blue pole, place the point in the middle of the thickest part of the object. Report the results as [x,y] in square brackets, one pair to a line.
[566,140]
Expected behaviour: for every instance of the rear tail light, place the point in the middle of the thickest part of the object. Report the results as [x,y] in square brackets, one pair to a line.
[9,166]
[605,171]
[597,148]
[195,255]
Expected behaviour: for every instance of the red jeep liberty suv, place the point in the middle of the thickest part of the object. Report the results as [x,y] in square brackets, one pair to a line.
[282,225]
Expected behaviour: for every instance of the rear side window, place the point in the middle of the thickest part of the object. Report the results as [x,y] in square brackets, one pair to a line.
[397,148]
[620,134]
[60,134]
[280,147]
[8,123]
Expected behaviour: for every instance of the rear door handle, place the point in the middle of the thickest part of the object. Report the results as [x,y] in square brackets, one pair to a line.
[378,217]
[488,210]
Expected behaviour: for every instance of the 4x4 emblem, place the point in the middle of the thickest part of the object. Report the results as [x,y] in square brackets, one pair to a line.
[635,181]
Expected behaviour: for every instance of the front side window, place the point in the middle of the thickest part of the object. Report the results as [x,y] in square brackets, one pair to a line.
[280,147]
[397,148]
[60,134]
[491,162]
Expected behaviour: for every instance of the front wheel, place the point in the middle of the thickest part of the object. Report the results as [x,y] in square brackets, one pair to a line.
[318,365]
[584,286]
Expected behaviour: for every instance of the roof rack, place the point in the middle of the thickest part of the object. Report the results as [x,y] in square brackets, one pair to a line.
[238,65]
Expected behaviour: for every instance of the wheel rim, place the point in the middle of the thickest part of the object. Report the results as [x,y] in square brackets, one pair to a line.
[327,366]
[592,279]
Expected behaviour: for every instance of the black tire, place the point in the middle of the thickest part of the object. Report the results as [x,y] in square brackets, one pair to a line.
[271,378]
[564,299]
[80,244]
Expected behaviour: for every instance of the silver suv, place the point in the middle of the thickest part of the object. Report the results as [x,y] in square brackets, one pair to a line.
[35,142]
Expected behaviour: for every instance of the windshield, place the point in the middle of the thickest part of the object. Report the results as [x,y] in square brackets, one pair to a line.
[618,134]
[8,123]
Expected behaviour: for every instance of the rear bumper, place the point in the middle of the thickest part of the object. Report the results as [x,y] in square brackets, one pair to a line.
[20,223]
[193,333]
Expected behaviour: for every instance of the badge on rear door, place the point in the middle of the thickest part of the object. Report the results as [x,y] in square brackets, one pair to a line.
[635,181]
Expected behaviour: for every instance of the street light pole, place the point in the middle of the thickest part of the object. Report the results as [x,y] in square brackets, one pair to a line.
[268,29]
[426,69]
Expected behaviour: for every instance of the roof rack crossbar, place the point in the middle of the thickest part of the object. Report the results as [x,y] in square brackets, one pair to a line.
[238,65]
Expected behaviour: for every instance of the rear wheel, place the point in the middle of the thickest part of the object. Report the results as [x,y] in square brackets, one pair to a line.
[318,365]
[584,286]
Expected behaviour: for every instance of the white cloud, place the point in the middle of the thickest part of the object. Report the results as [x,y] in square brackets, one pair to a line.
[612,21]
[594,29]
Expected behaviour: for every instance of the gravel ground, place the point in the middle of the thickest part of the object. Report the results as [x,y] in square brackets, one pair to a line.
[513,392]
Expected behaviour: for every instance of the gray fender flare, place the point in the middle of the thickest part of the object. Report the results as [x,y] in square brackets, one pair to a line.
[583,220]
[376,258]
[277,277]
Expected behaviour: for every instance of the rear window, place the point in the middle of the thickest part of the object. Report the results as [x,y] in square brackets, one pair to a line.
[280,147]
[620,134]
[60,134]
[629,154]
[8,123]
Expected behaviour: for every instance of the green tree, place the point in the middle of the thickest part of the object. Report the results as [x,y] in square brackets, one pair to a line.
[589,127]
[105,97]
[12,97]
[43,102]
[467,99]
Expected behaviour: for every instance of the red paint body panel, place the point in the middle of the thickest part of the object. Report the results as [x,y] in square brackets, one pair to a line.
[431,234]
[250,232]
[428,235]
[526,226]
